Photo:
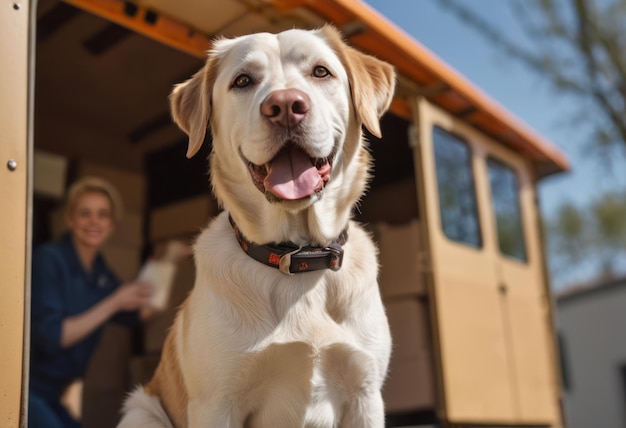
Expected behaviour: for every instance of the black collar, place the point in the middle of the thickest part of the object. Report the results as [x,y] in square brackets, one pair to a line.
[289,258]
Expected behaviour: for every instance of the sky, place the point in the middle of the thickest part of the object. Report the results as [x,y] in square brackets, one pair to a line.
[525,94]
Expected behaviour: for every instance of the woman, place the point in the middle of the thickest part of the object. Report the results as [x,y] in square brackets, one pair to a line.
[74,293]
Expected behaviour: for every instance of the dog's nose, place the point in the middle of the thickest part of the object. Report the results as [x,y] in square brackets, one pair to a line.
[286,107]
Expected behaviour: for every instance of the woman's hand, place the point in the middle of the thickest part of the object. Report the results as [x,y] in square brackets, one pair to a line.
[133,295]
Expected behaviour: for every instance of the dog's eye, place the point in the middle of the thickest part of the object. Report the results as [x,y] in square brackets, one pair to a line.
[320,71]
[242,81]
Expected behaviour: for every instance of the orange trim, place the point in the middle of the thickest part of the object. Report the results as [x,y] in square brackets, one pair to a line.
[165,30]
[385,40]
[401,107]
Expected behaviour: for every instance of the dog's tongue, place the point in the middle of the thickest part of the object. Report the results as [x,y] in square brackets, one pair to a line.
[292,176]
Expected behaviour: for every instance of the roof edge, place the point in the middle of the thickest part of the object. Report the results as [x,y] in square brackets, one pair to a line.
[407,54]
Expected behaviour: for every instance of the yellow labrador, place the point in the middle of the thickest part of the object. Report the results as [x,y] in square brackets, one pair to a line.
[285,326]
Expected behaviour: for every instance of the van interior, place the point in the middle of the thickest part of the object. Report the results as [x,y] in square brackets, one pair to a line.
[101,108]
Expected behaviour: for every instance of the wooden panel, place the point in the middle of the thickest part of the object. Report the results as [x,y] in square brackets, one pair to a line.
[527,302]
[474,357]
[400,253]
[166,30]
[207,16]
[124,260]
[536,379]
[183,218]
[409,386]
[474,360]
[14,49]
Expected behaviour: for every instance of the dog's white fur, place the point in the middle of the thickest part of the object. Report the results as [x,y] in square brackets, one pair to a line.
[253,346]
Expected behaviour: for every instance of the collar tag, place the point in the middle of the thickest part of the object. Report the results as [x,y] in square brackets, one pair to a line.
[285,261]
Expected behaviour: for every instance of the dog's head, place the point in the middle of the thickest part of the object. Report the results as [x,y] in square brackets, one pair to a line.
[285,112]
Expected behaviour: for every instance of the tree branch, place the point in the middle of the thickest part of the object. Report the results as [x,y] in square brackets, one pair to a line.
[600,80]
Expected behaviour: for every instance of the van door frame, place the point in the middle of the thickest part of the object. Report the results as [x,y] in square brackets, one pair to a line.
[425,116]
[16,115]
[460,366]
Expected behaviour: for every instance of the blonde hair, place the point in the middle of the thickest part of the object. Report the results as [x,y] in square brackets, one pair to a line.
[94,185]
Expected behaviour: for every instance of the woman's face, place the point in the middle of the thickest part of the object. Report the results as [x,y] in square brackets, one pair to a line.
[91,220]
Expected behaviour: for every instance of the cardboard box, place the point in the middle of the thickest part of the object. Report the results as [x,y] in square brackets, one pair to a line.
[57,222]
[410,385]
[185,218]
[129,231]
[394,203]
[106,382]
[409,324]
[130,185]
[400,250]
[123,260]
[49,174]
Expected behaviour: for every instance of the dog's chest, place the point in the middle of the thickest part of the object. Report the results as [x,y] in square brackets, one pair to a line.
[294,363]
[302,383]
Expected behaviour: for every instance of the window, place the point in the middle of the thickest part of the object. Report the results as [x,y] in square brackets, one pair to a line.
[455,184]
[505,199]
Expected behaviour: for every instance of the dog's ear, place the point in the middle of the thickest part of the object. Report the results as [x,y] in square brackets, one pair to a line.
[372,81]
[190,103]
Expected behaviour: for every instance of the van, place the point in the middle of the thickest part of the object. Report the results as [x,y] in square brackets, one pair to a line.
[453,204]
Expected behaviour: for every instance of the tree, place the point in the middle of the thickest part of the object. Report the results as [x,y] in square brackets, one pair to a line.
[568,233]
[578,237]
[608,214]
[580,46]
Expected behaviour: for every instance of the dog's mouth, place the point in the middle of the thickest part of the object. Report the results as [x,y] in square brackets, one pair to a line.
[292,174]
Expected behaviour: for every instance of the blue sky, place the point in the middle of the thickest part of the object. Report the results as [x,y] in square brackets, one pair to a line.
[523,93]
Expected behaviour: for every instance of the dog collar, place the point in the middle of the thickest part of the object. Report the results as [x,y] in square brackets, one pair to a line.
[289,258]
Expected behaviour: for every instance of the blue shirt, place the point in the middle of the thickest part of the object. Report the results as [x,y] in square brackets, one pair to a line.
[61,288]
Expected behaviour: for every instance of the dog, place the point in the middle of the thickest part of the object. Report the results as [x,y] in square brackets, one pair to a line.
[285,326]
